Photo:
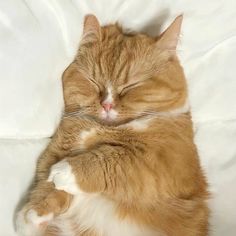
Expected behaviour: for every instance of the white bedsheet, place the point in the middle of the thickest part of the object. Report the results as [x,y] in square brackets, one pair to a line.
[38,39]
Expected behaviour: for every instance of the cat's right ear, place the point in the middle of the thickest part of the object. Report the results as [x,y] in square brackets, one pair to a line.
[92,29]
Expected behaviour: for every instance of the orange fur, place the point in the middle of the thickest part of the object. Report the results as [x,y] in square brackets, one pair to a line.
[144,160]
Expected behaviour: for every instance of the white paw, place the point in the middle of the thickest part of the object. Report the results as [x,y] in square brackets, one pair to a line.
[30,224]
[63,178]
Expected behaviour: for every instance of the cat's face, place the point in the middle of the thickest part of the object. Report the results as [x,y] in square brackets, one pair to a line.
[117,77]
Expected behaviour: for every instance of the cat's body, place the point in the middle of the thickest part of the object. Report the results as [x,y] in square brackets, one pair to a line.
[130,168]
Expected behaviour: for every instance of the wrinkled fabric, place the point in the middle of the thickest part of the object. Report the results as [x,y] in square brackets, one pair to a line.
[38,40]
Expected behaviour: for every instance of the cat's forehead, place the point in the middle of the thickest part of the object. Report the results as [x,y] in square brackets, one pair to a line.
[127,44]
[120,59]
[117,57]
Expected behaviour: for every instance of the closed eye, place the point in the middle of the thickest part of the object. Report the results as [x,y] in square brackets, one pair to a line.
[95,84]
[129,87]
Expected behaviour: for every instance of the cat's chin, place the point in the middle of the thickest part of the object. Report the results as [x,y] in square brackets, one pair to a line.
[110,122]
[115,122]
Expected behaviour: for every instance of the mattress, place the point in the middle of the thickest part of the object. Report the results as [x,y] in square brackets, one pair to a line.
[38,39]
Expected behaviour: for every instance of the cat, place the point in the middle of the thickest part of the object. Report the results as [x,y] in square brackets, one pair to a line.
[122,161]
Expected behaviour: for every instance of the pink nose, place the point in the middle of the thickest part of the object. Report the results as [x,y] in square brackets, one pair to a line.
[107,106]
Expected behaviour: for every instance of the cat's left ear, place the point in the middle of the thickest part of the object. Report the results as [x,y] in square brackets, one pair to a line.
[91,30]
[170,37]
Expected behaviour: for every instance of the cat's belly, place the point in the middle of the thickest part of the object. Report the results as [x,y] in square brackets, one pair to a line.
[96,213]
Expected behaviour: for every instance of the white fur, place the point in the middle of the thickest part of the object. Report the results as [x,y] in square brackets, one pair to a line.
[178,111]
[62,176]
[110,115]
[109,98]
[85,134]
[29,224]
[65,225]
[33,217]
[96,212]
[139,124]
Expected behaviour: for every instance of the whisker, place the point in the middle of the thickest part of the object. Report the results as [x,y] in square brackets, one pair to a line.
[74,113]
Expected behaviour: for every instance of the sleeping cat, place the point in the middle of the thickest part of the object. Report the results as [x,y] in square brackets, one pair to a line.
[122,161]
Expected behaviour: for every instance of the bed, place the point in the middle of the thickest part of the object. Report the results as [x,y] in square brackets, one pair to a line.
[38,39]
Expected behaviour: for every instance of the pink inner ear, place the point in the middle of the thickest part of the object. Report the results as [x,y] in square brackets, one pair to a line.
[92,28]
[169,38]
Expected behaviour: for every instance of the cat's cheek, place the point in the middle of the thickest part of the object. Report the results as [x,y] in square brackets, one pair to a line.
[28,223]
[62,176]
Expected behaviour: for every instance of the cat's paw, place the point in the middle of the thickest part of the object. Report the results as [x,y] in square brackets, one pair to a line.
[29,223]
[63,178]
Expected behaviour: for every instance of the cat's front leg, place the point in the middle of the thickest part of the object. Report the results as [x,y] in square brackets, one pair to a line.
[101,170]
[36,215]
[66,173]
[29,222]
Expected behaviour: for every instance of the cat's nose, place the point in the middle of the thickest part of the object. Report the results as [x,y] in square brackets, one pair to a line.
[107,106]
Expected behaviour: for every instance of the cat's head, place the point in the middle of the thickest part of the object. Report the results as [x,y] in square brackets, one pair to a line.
[117,77]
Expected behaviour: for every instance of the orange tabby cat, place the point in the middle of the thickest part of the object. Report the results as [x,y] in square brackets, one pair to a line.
[123,161]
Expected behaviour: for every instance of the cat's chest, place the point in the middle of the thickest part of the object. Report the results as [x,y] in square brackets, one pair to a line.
[80,139]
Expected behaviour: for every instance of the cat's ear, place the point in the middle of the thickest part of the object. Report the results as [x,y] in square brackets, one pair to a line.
[92,29]
[170,37]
